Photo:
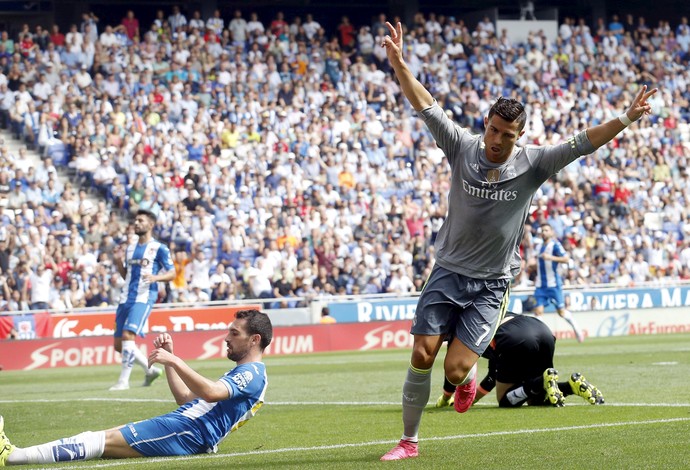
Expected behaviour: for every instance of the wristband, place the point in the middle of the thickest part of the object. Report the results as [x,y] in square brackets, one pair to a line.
[625,119]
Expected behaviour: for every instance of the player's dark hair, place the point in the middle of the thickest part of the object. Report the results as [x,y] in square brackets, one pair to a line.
[149,214]
[258,323]
[510,110]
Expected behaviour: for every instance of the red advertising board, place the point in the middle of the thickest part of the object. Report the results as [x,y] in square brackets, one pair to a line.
[68,325]
[98,350]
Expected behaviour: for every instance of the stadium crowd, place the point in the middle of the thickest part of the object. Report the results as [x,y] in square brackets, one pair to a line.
[282,160]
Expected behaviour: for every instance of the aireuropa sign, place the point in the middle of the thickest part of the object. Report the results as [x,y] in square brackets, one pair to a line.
[619,299]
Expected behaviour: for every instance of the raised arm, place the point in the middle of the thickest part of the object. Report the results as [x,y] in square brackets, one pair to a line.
[418,96]
[185,383]
[603,133]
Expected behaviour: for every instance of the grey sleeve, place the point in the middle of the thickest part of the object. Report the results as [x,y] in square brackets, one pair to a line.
[551,159]
[445,131]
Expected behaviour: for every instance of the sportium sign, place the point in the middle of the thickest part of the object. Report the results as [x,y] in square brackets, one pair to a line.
[209,344]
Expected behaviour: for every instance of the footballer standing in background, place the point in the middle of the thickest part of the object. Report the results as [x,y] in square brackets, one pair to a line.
[549,284]
[145,263]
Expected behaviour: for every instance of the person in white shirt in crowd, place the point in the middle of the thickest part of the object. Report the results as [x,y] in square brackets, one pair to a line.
[197,22]
[400,282]
[177,21]
[311,26]
[255,28]
[238,29]
[220,276]
[38,288]
[216,23]
[198,271]
[42,89]
[74,39]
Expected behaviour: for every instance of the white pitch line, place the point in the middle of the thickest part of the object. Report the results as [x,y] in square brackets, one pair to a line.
[314,403]
[129,462]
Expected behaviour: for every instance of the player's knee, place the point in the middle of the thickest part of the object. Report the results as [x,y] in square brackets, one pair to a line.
[456,371]
[422,358]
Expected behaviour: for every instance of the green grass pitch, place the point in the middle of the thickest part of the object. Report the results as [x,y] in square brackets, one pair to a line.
[342,411]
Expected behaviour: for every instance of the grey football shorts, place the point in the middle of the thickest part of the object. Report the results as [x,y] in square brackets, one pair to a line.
[469,309]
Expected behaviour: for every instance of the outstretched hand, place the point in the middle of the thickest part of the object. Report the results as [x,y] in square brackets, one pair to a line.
[640,106]
[393,42]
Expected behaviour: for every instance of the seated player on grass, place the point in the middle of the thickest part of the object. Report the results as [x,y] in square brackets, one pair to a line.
[209,410]
[521,368]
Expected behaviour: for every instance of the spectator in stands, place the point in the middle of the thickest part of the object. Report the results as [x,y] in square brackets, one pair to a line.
[38,287]
[7,42]
[177,21]
[257,281]
[89,27]
[179,282]
[326,317]
[96,294]
[131,25]
[198,271]
[17,198]
[239,29]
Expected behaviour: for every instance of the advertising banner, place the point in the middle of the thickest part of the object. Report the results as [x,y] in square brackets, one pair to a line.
[98,350]
[374,310]
[576,301]
[164,319]
[616,299]
[361,336]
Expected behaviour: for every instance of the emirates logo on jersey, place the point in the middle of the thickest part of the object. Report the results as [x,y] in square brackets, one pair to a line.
[490,193]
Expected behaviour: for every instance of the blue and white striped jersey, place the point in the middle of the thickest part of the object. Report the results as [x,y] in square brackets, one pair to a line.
[149,258]
[547,271]
[247,386]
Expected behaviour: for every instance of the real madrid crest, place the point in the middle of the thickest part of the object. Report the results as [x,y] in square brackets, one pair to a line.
[493,175]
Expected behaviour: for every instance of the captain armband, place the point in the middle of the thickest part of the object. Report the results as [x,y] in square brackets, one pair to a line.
[581,143]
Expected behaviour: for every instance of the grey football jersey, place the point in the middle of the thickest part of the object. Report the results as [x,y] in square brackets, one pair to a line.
[489,203]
